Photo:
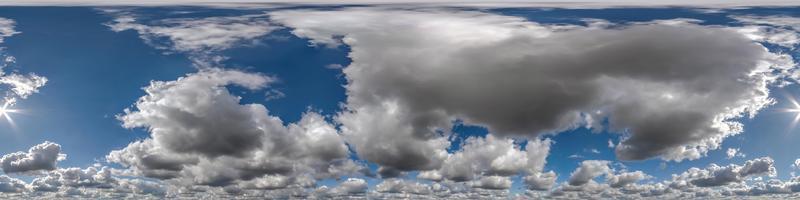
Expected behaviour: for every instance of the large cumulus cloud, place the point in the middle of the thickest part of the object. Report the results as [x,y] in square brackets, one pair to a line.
[716,175]
[201,134]
[673,90]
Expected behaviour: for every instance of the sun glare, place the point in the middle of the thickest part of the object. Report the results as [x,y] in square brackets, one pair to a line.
[5,112]
[794,109]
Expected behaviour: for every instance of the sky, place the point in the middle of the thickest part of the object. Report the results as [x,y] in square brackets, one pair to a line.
[399,100]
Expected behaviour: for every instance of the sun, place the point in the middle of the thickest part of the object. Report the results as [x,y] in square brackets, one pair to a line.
[5,112]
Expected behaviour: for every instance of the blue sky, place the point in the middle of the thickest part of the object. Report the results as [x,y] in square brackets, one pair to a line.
[95,73]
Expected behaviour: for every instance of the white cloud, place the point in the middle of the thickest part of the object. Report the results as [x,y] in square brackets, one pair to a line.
[734,152]
[494,156]
[780,30]
[625,178]
[541,181]
[402,186]
[7,28]
[439,66]
[352,186]
[11,185]
[588,170]
[585,4]
[796,164]
[716,175]
[200,38]
[43,156]
[19,86]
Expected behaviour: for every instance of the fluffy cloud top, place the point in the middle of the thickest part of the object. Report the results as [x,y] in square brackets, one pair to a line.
[588,170]
[653,81]
[716,175]
[43,156]
[494,156]
[352,186]
[201,134]
[626,178]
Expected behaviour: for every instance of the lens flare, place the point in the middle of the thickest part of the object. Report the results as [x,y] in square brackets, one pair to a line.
[794,109]
[5,111]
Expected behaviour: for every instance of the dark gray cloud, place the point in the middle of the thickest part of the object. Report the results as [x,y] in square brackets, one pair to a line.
[675,88]
[201,134]
[43,156]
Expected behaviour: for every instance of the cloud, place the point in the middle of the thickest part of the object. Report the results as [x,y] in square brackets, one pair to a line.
[594,151]
[588,170]
[19,86]
[716,175]
[11,185]
[402,186]
[201,134]
[780,30]
[626,178]
[541,181]
[188,115]
[594,4]
[734,152]
[521,78]
[352,186]
[492,182]
[90,177]
[43,156]
[494,156]
[405,92]
[200,38]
